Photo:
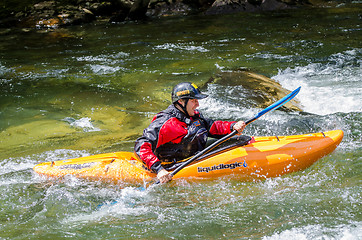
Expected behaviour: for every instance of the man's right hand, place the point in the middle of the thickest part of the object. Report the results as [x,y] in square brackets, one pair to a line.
[164,176]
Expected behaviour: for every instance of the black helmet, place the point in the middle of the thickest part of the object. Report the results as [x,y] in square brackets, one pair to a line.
[186,90]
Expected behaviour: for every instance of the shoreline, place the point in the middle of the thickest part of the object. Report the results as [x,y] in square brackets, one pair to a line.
[60,14]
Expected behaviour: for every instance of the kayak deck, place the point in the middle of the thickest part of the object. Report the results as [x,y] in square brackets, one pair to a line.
[266,157]
[109,167]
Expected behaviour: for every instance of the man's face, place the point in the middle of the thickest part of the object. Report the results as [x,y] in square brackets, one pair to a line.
[191,106]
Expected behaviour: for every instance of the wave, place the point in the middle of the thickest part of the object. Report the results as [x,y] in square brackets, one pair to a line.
[328,87]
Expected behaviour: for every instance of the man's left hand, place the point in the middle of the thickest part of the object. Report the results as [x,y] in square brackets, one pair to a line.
[239,126]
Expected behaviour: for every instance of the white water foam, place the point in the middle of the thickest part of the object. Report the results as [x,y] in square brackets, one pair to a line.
[84,123]
[12,168]
[180,46]
[231,99]
[125,205]
[104,69]
[107,64]
[317,232]
[331,87]
[103,58]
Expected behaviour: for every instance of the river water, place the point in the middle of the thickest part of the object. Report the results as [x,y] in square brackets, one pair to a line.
[93,88]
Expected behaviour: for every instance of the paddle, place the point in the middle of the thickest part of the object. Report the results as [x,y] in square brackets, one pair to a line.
[272,107]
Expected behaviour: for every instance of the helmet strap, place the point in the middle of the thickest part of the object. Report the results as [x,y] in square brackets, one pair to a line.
[183,107]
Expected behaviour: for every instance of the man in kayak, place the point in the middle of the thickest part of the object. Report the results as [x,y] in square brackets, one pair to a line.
[179,132]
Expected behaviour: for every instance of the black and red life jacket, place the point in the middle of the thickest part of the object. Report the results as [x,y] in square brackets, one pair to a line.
[172,137]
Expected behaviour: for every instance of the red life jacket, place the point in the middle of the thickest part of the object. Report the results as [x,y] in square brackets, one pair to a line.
[172,137]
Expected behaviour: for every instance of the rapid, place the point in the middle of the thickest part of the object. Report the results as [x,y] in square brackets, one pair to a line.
[93,88]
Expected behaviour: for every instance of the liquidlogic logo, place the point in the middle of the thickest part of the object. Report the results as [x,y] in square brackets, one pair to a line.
[222,166]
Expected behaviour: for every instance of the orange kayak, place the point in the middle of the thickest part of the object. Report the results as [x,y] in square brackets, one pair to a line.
[266,157]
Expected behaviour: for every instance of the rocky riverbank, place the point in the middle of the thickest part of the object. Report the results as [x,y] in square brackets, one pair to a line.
[55,14]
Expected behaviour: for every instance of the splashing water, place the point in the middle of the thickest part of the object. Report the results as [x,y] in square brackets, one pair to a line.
[331,87]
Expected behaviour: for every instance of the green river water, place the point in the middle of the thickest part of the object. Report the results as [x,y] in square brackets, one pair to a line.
[92,89]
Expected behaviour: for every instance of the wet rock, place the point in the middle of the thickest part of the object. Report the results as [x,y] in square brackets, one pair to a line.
[138,10]
[170,8]
[234,6]
[120,16]
[54,14]
[122,11]
[266,90]
[44,5]
[103,8]
[230,6]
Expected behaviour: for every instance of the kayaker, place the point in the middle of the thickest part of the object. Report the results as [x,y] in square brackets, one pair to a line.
[179,132]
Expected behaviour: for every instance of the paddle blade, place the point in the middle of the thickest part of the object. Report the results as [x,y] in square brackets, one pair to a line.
[276,105]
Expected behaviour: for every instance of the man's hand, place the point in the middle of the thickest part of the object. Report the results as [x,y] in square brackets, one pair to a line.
[164,176]
[239,126]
